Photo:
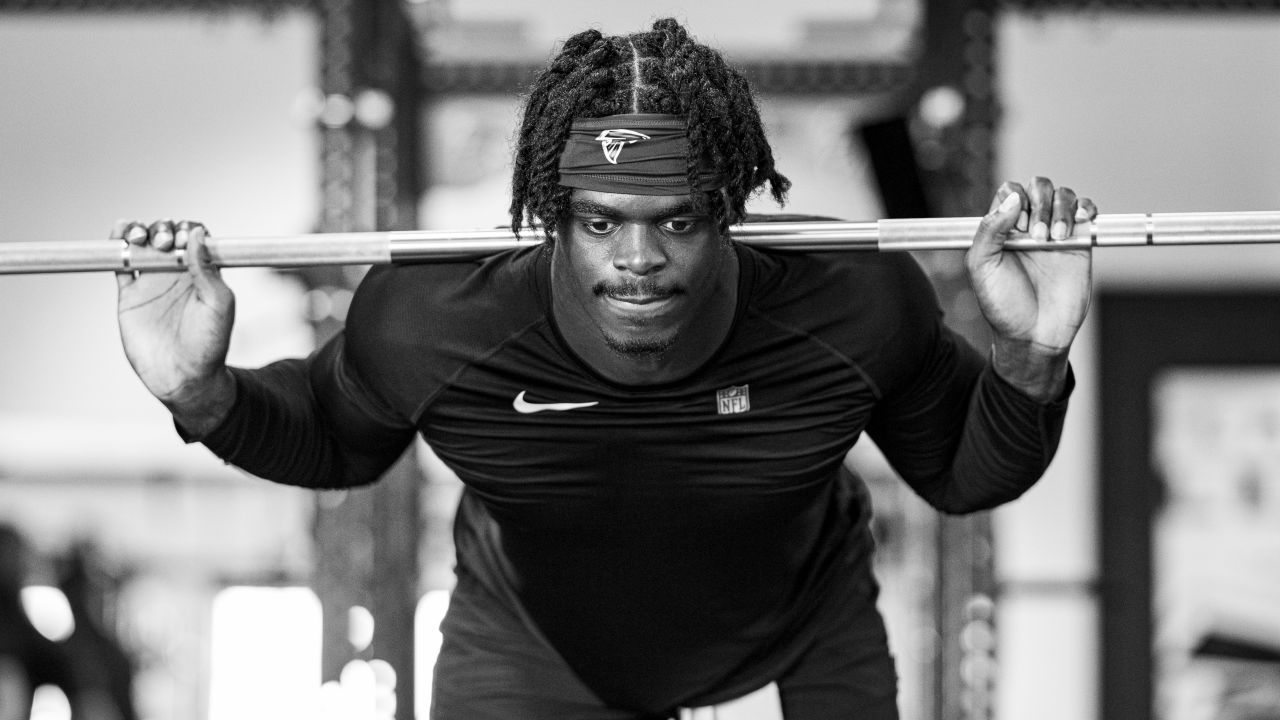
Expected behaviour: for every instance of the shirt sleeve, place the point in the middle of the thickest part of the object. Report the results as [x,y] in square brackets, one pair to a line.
[962,437]
[312,423]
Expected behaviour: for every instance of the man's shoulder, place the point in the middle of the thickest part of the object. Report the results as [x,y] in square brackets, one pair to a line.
[873,307]
[853,275]
[844,296]
[427,299]
[457,284]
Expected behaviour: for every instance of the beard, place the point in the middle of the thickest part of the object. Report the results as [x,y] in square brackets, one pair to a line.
[638,346]
[634,347]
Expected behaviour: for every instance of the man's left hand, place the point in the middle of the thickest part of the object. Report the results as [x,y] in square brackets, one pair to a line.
[1034,300]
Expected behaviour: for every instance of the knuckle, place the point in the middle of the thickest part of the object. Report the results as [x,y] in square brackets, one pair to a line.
[135,231]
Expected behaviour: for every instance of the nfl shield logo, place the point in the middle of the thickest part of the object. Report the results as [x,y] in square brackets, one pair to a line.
[733,400]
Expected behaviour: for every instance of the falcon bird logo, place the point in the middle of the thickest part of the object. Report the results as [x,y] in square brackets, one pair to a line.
[612,142]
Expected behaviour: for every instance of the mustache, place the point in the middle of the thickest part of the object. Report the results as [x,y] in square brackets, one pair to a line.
[641,288]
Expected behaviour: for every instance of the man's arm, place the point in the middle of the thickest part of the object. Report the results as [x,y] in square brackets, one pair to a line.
[176,327]
[968,433]
[1035,301]
[303,422]
[964,438]
[311,423]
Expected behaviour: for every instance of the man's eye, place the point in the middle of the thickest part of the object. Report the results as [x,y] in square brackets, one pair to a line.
[599,227]
[679,227]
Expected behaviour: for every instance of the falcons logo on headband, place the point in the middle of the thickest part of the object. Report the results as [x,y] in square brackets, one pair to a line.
[612,142]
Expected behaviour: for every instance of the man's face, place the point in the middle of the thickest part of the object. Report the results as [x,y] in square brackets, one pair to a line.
[640,268]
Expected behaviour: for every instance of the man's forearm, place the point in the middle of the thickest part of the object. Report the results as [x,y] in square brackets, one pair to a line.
[1039,372]
[201,409]
[270,423]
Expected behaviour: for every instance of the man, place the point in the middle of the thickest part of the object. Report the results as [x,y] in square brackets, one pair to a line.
[650,420]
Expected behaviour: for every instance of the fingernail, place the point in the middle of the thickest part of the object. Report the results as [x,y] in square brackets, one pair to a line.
[1059,231]
[135,233]
[1040,231]
[1023,219]
[1010,202]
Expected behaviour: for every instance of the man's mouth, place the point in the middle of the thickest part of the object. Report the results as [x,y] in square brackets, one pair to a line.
[640,292]
[639,299]
[639,306]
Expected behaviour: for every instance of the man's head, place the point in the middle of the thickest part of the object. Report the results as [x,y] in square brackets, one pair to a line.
[660,72]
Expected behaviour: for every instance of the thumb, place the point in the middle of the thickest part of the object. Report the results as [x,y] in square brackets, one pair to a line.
[996,226]
[205,276]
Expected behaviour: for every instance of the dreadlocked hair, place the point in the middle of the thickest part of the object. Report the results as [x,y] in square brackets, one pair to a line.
[660,71]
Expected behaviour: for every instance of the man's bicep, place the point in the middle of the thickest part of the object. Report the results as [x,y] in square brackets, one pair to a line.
[920,421]
[966,440]
[370,433]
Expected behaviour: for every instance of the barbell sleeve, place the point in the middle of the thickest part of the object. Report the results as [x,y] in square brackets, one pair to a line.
[377,248]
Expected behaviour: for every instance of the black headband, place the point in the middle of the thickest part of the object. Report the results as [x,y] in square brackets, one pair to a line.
[635,154]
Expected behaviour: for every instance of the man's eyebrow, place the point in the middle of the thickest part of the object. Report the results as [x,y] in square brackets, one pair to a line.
[684,208]
[587,207]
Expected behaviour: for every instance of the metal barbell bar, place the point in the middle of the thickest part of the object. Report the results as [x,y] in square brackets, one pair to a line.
[375,248]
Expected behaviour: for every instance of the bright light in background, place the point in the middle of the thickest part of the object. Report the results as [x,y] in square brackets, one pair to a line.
[360,627]
[365,690]
[427,640]
[265,652]
[49,611]
[384,681]
[48,702]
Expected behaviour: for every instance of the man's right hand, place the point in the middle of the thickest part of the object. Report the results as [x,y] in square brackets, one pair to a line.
[176,326]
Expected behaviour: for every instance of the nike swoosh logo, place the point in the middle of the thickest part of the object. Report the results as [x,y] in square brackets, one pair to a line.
[525,407]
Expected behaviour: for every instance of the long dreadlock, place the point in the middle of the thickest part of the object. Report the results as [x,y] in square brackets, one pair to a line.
[661,71]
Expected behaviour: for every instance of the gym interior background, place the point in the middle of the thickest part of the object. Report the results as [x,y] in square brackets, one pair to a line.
[1139,579]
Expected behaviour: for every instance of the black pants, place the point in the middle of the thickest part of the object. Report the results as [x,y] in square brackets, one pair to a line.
[493,666]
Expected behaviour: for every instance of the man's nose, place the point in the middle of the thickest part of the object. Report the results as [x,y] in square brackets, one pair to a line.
[639,250]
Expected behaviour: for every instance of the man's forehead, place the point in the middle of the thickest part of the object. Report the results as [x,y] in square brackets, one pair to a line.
[622,204]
